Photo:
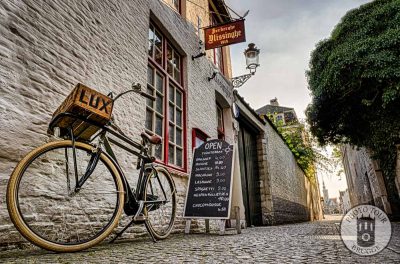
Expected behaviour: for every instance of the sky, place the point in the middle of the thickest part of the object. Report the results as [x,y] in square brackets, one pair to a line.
[286,32]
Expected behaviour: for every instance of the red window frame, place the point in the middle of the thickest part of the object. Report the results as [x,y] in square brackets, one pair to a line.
[218,62]
[178,84]
[221,130]
[198,133]
[179,7]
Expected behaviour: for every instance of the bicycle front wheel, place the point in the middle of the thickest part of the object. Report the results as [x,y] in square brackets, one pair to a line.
[160,203]
[46,209]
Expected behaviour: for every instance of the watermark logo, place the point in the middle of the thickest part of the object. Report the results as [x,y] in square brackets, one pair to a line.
[366,230]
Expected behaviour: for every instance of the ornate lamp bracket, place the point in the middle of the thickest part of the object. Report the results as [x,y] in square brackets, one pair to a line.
[240,80]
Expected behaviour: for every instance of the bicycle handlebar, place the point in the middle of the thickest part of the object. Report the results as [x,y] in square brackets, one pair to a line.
[136,88]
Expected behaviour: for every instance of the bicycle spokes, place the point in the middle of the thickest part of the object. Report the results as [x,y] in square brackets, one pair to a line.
[160,203]
[58,212]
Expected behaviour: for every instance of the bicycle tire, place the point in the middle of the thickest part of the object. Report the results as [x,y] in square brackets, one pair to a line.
[155,217]
[36,232]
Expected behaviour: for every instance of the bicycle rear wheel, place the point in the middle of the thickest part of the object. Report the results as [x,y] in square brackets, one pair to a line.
[44,207]
[160,203]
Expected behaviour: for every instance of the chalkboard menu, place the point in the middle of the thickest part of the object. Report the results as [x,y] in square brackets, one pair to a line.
[210,182]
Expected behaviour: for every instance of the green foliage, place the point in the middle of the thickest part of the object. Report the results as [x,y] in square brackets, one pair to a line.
[354,79]
[296,139]
[336,161]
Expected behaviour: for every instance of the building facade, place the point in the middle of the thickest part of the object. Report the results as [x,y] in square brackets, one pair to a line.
[364,179]
[280,114]
[47,48]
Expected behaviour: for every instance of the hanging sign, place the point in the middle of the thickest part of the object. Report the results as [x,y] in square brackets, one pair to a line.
[223,35]
[210,183]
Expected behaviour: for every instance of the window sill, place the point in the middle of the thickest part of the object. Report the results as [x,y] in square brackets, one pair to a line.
[172,170]
[177,173]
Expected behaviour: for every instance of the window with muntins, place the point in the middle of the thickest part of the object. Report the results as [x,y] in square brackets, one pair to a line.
[166,116]
[218,58]
[198,137]
[220,123]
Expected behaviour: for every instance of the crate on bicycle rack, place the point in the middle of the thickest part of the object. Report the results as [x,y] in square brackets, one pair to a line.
[88,103]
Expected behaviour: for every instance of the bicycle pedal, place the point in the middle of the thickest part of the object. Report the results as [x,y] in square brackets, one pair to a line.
[139,218]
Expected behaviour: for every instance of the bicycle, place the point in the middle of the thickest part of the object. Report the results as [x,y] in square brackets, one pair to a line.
[86,189]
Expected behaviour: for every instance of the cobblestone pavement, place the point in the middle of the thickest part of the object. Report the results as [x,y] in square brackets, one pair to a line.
[312,242]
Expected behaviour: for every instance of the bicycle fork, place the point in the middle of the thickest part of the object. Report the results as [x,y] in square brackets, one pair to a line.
[79,182]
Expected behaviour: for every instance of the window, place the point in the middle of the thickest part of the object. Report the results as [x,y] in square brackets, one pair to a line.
[155,48]
[174,4]
[220,123]
[165,117]
[177,4]
[279,118]
[175,148]
[198,137]
[218,58]
[289,117]
[173,63]
[199,28]
[155,110]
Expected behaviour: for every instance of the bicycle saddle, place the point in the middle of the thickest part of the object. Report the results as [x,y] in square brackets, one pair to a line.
[152,139]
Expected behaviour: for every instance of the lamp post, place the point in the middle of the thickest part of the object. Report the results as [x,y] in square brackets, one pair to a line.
[252,62]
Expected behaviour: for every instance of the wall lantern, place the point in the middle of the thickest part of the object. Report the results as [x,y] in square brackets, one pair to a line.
[252,55]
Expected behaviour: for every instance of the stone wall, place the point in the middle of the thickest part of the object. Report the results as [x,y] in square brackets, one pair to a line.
[286,194]
[46,47]
[289,195]
[364,178]
[265,181]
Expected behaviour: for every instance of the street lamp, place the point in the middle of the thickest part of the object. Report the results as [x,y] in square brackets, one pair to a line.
[252,62]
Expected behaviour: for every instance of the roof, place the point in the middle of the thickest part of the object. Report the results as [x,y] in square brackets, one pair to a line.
[241,99]
[266,109]
[266,121]
[221,10]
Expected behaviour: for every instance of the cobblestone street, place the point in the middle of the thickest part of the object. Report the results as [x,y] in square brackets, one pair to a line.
[312,242]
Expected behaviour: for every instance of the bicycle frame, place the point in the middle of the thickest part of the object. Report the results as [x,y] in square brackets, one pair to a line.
[132,198]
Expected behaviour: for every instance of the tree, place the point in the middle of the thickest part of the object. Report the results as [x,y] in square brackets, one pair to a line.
[354,79]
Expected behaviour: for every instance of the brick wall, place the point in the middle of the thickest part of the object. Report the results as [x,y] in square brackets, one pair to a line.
[48,47]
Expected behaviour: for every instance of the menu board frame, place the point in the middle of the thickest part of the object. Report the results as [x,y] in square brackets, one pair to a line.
[228,211]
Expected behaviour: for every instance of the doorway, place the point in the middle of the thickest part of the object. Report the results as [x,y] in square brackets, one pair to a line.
[247,144]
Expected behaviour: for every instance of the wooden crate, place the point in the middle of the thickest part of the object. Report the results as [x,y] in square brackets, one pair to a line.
[86,102]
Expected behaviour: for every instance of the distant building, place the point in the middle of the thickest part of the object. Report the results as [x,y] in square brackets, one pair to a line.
[325,192]
[284,117]
[331,205]
[283,114]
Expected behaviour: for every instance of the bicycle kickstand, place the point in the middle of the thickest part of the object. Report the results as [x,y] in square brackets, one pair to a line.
[139,215]
[123,230]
